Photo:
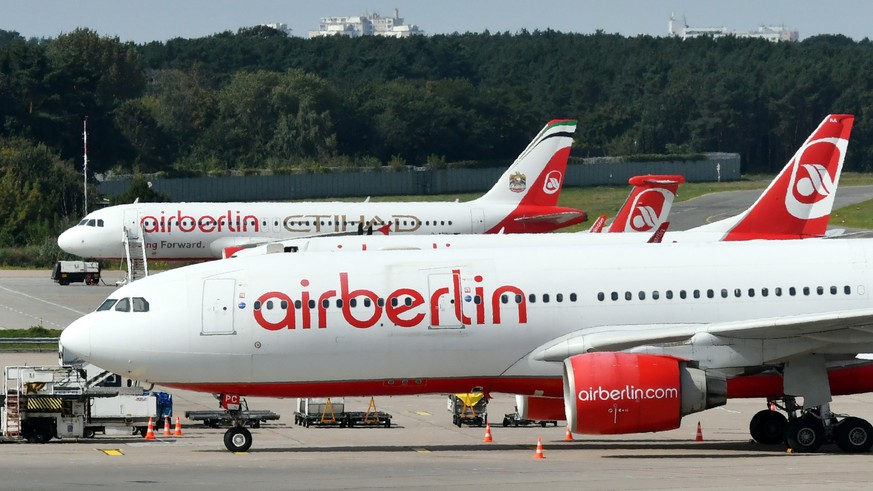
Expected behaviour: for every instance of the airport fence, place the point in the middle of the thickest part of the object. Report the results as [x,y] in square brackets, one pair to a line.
[417,180]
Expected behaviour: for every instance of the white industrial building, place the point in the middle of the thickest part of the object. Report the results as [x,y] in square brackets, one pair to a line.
[366,25]
[676,28]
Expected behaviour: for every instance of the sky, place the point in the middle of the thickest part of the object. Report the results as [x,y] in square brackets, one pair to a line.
[143,21]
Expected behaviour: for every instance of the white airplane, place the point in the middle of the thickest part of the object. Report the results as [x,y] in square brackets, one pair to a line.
[524,199]
[797,204]
[625,338]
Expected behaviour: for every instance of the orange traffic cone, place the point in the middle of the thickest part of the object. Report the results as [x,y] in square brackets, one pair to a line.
[167,426]
[539,454]
[150,432]
[568,437]
[487,438]
[699,437]
[178,431]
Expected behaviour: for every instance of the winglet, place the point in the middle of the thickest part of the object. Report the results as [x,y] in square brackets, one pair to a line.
[597,226]
[658,236]
[648,204]
[798,203]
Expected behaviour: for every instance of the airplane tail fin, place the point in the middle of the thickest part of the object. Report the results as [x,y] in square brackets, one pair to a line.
[536,176]
[648,204]
[597,226]
[799,201]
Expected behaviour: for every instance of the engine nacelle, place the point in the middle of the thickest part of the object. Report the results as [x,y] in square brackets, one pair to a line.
[540,408]
[615,393]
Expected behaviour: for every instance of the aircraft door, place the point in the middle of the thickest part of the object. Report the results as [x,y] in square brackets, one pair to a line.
[477,216]
[131,222]
[218,307]
[441,287]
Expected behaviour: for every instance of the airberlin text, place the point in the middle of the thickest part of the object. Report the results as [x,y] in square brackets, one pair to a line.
[627,393]
[236,221]
[405,307]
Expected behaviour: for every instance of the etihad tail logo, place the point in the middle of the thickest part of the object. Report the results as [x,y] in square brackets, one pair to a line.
[648,209]
[517,182]
[552,183]
[813,180]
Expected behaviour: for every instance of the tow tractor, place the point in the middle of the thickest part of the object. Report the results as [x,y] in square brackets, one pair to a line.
[470,409]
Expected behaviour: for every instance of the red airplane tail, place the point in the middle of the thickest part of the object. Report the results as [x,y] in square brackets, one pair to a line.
[648,204]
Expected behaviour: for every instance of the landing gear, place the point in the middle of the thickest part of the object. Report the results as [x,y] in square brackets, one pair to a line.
[768,427]
[805,430]
[238,439]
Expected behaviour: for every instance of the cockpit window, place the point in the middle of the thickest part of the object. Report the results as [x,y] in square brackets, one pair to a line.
[92,222]
[123,305]
[107,304]
[99,222]
[140,304]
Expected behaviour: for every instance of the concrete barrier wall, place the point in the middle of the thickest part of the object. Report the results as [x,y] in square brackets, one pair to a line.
[722,166]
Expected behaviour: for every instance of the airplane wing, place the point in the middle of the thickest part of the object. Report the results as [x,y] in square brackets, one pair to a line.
[561,217]
[832,328]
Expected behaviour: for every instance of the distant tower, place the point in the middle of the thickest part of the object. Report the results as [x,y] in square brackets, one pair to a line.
[676,28]
[396,13]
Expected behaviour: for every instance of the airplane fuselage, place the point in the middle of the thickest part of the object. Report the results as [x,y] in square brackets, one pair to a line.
[400,322]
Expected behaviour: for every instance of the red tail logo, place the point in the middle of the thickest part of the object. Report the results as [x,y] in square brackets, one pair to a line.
[552,183]
[648,209]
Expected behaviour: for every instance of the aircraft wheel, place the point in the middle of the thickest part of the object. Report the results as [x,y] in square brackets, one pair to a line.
[804,435]
[768,427]
[238,439]
[854,435]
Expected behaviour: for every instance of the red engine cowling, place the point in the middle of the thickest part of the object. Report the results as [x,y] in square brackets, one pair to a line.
[615,393]
[540,408]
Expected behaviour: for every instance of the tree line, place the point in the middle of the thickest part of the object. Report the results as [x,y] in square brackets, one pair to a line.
[256,99]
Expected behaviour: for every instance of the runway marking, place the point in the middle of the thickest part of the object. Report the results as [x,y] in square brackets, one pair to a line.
[422,413]
[25,314]
[420,450]
[114,452]
[240,453]
[42,300]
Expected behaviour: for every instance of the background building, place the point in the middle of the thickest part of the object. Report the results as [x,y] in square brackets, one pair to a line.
[366,25]
[676,28]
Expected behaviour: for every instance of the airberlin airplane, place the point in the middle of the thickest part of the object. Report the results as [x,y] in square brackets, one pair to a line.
[796,205]
[617,338]
[524,199]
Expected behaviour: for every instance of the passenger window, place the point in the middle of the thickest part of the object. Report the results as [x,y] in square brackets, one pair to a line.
[642,295]
[820,290]
[311,303]
[710,293]
[123,305]
[140,304]
[833,290]
[504,298]
[339,303]
[628,295]
[326,303]
[696,293]
[738,293]
[614,296]
[518,298]
[545,298]
[353,302]
[765,292]
[367,302]
[269,305]
[380,302]
[559,297]
[283,305]
[106,305]
[476,300]
[532,298]
[847,290]
[724,293]
[778,291]
[806,290]
[792,291]
[655,295]
[751,292]
[601,296]
[298,304]
[669,294]
[682,294]
[572,297]
[257,305]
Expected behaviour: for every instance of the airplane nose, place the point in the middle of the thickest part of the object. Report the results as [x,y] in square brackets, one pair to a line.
[76,341]
[69,242]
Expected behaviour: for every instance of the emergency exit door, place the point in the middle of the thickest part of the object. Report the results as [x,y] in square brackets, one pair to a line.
[218,306]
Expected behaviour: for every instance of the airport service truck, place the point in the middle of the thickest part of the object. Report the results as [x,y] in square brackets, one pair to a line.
[45,402]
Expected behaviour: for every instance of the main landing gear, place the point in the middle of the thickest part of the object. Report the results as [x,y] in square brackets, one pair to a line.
[807,429]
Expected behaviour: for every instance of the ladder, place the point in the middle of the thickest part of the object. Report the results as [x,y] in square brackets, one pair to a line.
[135,254]
[12,412]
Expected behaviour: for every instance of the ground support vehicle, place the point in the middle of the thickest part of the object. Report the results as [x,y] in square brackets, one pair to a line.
[45,402]
[324,412]
[513,419]
[468,409]
[222,417]
[66,272]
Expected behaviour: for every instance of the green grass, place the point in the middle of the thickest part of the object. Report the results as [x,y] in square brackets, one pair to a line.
[32,332]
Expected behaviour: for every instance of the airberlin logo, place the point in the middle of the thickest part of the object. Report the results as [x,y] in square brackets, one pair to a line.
[813,178]
[236,221]
[470,304]
[627,393]
[649,209]
[552,183]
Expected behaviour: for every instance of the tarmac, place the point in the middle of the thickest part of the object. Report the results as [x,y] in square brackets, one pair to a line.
[421,449]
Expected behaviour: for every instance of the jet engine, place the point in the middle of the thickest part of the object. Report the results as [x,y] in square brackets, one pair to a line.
[615,393]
